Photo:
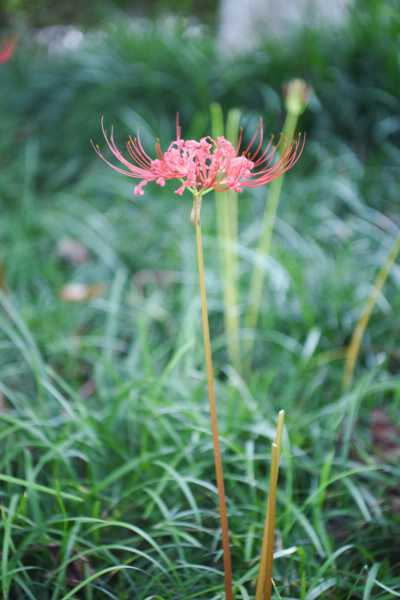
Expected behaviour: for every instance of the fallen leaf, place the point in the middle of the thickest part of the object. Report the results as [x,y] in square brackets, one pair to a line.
[385,435]
[81,292]
[3,403]
[158,278]
[88,388]
[395,499]
[3,284]
[75,571]
[72,251]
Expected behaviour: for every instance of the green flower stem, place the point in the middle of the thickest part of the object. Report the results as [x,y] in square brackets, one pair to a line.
[227,231]
[362,323]
[264,246]
[212,401]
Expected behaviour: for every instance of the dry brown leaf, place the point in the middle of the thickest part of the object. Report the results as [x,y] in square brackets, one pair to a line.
[72,251]
[3,284]
[385,435]
[81,292]
[88,388]
[395,498]
[75,572]
[3,403]
[156,277]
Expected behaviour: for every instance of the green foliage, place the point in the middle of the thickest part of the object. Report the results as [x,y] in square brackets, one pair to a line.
[144,73]
[105,456]
[42,13]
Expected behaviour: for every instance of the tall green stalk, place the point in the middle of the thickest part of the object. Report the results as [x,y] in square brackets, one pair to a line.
[227,233]
[362,323]
[295,104]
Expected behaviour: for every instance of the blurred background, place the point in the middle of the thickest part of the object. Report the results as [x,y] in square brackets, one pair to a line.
[100,305]
[138,64]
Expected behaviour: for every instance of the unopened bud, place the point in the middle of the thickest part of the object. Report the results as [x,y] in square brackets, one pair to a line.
[297,94]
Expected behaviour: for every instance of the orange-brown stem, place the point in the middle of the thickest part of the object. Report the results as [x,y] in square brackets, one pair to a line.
[264,581]
[213,403]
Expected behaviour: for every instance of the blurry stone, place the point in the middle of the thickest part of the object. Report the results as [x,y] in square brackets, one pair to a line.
[242,23]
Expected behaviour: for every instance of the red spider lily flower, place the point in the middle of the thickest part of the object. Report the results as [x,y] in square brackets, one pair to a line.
[7,50]
[205,165]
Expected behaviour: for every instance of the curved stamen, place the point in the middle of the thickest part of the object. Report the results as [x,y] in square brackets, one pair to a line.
[254,137]
[118,169]
[142,160]
[206,164]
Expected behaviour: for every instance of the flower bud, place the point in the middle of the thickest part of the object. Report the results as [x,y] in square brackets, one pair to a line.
[297,94]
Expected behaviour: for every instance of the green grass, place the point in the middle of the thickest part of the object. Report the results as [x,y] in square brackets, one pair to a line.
[106,474]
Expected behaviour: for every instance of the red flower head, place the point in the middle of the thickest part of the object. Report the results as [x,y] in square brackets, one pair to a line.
[205,165]
[8,50]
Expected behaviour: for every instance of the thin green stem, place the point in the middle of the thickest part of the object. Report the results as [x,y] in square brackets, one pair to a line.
[362,323]
[227,231]
[264,581]
[264,245]
[212,401]
[231,262]
[229,277]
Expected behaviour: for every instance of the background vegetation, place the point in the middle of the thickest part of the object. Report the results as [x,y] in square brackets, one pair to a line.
[42,13]
[105,464]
